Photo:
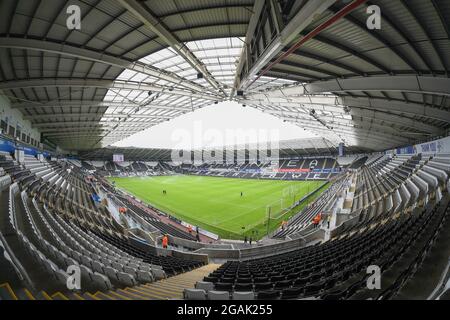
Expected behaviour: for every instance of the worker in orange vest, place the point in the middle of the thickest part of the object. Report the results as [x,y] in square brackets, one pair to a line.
[190,229]
[316,220]
[165,241]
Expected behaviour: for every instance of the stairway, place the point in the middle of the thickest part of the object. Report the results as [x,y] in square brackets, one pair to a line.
[170,288]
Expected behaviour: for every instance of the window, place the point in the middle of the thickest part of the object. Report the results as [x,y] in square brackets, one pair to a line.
[12,131]
[4,126]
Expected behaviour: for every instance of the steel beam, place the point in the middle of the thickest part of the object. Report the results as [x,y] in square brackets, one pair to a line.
[297,24]
[143,14]
[96,56]
[99,83]
[87,103]
[103,116]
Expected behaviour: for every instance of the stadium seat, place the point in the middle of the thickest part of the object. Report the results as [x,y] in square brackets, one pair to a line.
[207,286]
[243,295]
[218,295]
[194,294]
[268,295]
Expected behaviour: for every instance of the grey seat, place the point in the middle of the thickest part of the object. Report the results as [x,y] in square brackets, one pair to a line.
[194,294]
[95,256]
[243,295]
[155,266]
[207,286]
[86,261]
[126,279]
[70,262]
[145,268]
[218,295]
[85,272]
[61,276]
[97,266]
[159,274]
[133,265]
[129,270]
[110,272]
[144,276]
[76,256]
[49,266]
[117,265]
[106,261]
[61,257]
[101,280]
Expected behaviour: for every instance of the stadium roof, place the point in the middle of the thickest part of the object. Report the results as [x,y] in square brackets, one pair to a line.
[286,148]
[134,64]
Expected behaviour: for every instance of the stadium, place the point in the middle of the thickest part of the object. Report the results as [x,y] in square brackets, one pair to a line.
[357,208]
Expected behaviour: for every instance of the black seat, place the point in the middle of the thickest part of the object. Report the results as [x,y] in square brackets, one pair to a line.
[260,279]
[335,295]
[283,284]
[220,286]
[227,280]
[211,279]
[263,286]
[292,276]
[277,278]
[268,295]
[243,287]
[292,293]
[351,290]
[313,289]
[301,282]
[244,280]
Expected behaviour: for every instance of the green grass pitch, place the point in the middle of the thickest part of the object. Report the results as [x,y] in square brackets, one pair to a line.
[216,204]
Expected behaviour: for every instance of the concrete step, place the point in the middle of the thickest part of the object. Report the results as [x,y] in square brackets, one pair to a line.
[170,288]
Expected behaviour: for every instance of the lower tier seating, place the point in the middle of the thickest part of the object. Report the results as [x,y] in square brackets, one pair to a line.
[336,269]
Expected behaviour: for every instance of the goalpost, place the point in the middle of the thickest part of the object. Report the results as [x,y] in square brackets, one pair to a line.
[282,206]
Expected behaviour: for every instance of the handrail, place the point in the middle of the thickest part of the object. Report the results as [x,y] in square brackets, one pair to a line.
[8,253]
[13,190]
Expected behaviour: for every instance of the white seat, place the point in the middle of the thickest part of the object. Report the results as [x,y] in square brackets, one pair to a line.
[194,294]
[207,286]
[243,295]
[218,295]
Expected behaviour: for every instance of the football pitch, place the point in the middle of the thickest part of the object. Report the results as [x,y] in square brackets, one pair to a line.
[215,203]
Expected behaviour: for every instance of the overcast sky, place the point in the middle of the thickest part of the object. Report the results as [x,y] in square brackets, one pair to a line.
[226,123]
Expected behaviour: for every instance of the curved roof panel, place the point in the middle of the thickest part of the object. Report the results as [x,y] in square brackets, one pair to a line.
[134,64]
